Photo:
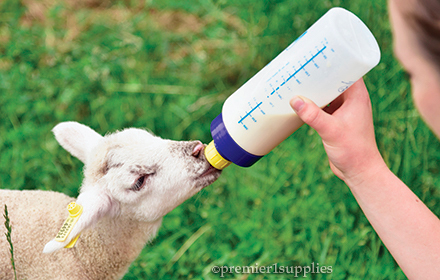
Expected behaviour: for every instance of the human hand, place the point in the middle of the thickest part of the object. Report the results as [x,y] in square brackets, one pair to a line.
[347,132]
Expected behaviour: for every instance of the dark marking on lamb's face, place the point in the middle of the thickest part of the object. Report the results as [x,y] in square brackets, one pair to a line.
[195,163]
[182,148]
[143,169]
[108,164]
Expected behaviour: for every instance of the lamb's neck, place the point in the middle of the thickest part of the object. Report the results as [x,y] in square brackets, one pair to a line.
[114,244]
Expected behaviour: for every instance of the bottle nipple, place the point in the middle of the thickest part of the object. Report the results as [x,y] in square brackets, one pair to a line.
[214,158]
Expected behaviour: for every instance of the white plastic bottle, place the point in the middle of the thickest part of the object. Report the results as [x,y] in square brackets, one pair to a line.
[322,63]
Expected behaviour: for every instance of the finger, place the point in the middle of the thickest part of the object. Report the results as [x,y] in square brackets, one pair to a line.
[312,115]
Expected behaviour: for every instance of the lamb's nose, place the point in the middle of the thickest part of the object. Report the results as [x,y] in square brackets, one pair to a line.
[198,148]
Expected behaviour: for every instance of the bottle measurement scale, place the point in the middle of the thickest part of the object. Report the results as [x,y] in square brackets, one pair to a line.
[322,63]
[281,79]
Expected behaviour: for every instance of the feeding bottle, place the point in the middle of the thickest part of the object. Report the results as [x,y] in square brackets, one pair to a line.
[321,64]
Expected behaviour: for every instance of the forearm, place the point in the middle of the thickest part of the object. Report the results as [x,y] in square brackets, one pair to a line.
[410,231]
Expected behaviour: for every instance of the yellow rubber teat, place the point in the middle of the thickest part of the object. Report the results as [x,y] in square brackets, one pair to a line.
[214,158]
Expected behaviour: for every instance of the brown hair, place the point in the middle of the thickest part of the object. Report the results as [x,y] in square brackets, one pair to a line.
[424,18]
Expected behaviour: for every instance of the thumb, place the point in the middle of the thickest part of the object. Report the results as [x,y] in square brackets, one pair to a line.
[312,115]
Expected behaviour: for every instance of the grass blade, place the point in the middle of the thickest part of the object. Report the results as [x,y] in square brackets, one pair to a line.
[8,237]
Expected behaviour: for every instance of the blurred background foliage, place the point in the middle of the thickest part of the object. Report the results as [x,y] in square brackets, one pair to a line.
[168,66]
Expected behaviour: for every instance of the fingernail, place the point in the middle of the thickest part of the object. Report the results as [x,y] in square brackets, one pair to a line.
[297,103]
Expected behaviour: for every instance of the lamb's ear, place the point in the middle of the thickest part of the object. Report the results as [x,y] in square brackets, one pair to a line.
[76,138]
[96,204]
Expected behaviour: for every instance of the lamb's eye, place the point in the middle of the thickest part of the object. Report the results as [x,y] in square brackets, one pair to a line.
[140,183]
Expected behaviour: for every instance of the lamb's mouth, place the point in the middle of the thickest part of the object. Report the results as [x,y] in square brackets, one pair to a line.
[208,177]
[210,170]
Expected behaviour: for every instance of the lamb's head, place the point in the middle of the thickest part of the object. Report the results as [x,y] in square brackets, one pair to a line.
[133,172]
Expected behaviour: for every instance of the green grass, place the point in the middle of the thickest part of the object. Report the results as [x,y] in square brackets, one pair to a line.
[9,239]
[169,66]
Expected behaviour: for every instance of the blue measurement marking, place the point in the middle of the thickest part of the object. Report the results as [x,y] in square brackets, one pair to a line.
[299,69]
[307,62]
[250,112]
[274,90]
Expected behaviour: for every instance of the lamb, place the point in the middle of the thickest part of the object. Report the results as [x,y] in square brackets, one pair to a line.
[131,180]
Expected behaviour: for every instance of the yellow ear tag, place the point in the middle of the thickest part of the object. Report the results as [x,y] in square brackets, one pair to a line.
[75,211]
